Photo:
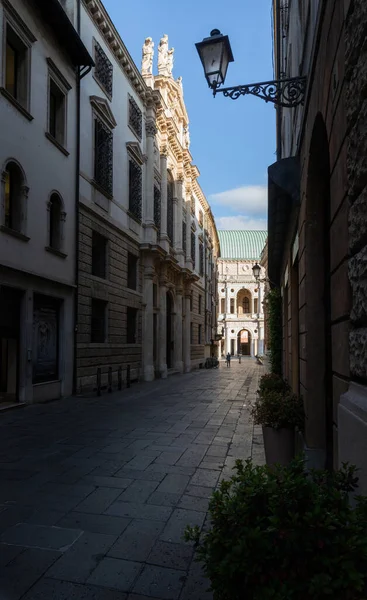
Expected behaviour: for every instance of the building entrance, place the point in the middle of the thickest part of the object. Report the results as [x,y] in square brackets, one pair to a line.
[10,300]
[244,343]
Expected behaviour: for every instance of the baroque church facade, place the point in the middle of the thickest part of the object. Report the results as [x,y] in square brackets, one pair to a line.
[241,309]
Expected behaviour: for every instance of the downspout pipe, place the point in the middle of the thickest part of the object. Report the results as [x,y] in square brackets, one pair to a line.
[81,72]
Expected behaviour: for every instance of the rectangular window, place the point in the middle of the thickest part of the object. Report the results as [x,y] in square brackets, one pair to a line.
[99,321]
[131,325]
[45,339]
[16,66]
[255,305]
[103,157]
[193,249]
[56,110]
[201,258]
[135,189]
[157,208]
[132,271]
[104,69]
[232,306]
[99,255]
[184,245]
[199,334]
[135,118]
[200,300]
[222,306]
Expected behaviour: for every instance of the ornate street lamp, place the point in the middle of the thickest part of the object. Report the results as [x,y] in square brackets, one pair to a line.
[256,271]
[215,54]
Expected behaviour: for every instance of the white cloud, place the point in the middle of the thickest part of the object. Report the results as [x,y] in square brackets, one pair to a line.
[240,222]
[250,200]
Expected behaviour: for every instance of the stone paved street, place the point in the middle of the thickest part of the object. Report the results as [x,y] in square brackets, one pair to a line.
[95,493]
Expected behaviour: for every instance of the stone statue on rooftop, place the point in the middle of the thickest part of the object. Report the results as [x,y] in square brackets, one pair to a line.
[163,55]
[147,57]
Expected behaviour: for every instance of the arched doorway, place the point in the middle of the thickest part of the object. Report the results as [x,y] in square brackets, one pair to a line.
[169,330]
[244,343]
[317,387]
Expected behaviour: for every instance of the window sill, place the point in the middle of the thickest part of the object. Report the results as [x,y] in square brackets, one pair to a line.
[14,233]
[134,217]
[55,251]
[16,104]
[101,190]
[56,143]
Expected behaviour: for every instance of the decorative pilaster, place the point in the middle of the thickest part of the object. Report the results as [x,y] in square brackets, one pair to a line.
[151,130]
[178,220]
[179,365]
[148,338]
[188,259]
[162,327]
[186,333]
[164,237]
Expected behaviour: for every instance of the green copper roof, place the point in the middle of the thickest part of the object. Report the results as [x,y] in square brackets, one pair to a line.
[242,244]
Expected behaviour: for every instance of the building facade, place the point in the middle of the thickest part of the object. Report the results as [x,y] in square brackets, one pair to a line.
[147,237]
[40,62]
[317,224]
[240,296]
[107,243]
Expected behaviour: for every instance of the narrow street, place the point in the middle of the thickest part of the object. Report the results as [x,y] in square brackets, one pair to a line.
[95,492]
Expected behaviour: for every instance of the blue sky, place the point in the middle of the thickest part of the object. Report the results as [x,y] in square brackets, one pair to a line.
[232,142]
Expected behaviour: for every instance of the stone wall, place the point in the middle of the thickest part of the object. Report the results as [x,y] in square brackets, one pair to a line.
[115,352]
[197,350]
[353,405]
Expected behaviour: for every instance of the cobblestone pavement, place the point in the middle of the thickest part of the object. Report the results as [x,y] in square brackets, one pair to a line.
[95,493]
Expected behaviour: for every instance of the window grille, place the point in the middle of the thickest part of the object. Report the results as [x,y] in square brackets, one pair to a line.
[103,69]
[135,189]
[135,118]
[103,157]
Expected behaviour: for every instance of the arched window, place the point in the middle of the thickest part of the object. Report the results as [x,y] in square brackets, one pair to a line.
[246,305]
[55,222]
[15,196]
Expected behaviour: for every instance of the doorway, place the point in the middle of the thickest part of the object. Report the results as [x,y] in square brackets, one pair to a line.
[318,385]
[244,343]
[10,301]
[169,330]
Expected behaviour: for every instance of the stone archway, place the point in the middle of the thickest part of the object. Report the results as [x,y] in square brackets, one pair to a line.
[244,339]
[316,387]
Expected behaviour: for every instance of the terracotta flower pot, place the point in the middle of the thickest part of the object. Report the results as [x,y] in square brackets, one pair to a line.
[279,445]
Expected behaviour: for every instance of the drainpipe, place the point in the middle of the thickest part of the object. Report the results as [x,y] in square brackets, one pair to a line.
[81,72]
[205,286]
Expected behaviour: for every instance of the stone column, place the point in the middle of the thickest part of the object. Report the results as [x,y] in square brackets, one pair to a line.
[179,365]
[164,237]
[228,339]
[162,344]
[186,333]
[178,221]
[148,362]
[149,232]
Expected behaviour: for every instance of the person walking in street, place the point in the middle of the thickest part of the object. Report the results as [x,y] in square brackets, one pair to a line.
[228,359]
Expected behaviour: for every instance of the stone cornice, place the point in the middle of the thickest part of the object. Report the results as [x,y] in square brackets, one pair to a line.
[112,38]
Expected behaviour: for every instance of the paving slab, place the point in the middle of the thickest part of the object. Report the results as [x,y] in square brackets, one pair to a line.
[126,471]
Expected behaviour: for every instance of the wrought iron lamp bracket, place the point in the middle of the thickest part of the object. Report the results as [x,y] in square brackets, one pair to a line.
[288,93]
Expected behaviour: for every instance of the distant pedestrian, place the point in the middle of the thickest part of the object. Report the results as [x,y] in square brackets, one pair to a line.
[228,359]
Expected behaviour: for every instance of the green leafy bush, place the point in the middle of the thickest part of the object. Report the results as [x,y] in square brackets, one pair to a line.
[272,382]
[274,313]
[282,534]
[278,409]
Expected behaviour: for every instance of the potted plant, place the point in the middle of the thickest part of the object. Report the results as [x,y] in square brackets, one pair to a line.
[284,534]
[280,412]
